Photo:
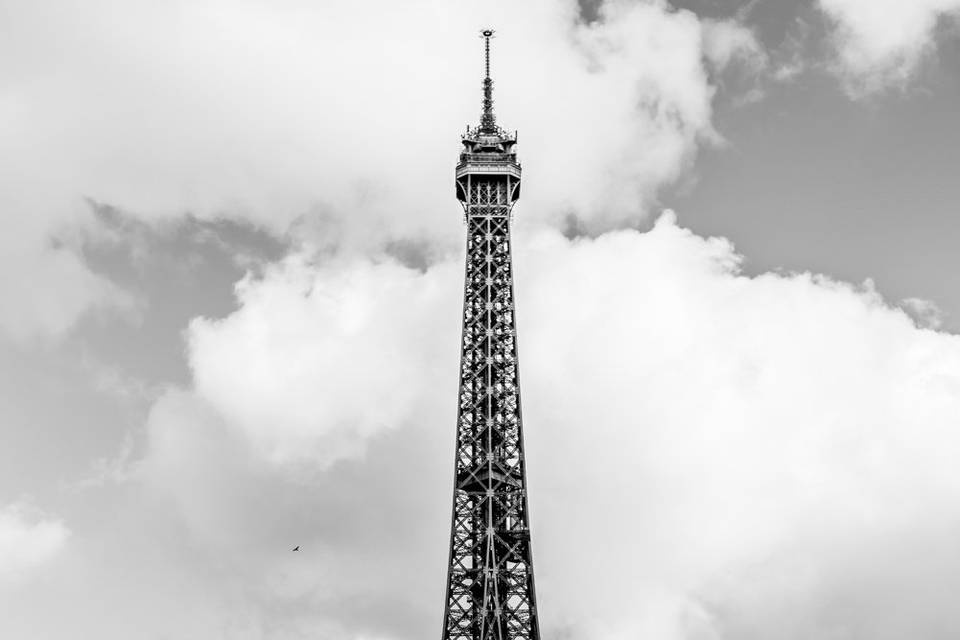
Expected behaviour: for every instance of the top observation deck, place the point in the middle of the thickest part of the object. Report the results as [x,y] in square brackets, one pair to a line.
[488,150]
[488,154]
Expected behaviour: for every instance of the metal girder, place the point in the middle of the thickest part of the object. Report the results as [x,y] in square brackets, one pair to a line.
[490,586]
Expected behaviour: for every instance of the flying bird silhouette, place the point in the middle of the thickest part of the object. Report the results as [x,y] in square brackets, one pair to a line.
[296,548]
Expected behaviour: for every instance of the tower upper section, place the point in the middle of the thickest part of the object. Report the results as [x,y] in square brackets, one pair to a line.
[489,151]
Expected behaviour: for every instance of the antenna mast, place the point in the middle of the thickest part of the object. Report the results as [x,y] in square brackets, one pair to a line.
[488,122]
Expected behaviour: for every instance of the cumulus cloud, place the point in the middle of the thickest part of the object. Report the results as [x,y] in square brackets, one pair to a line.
[727,452]
[355,312]
[880,43]
[760,440]
[336,117]
[28,540]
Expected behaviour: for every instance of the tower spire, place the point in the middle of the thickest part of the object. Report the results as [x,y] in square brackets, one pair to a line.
[490,588]
[488,122]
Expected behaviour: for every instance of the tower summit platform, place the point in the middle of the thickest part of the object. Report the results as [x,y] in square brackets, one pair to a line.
[488,149]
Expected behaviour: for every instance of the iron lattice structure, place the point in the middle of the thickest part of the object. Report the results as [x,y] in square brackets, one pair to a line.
[490,587]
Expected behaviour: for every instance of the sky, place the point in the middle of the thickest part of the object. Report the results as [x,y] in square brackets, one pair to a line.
[231,284]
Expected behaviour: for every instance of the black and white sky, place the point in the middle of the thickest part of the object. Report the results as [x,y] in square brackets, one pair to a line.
[230,274]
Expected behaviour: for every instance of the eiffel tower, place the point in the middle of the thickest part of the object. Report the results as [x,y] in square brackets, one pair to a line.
[490,591]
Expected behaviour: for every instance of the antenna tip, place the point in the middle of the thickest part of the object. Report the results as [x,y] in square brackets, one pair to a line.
[487,33]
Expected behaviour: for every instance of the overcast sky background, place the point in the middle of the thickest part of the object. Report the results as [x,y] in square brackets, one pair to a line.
[231,273]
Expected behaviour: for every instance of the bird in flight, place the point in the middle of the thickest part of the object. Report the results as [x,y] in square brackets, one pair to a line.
[296,548]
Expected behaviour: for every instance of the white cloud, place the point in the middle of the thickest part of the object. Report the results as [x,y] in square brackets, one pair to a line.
[726,452]
[330,345]
[717,456]
[726,41]
[880,43]
[787,431]
[346,113]
[28,540]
